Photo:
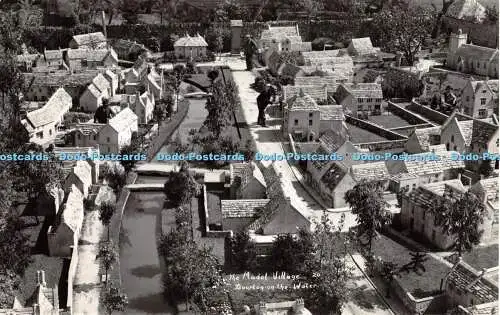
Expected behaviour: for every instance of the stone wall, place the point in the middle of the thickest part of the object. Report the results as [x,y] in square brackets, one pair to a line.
[405,114]
[429,305]
[430,114]
[386,133]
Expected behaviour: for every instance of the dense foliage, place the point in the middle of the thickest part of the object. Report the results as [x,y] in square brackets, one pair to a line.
[461,217]
[366,200]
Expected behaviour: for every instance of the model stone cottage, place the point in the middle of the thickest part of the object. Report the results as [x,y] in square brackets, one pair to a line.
[190,47]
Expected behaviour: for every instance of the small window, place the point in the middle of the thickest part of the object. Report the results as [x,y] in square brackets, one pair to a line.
[434,235]
[310,115]
[360,107]
[377,107]
[50,132]
[484,91]
[471,301]
[482,113]
[310,122]
[360,100]
[107,139]
[79,136]
[296,122]
[454,148]
[423,215]
[452,138]
[467,98]
[95,137]
[369,107]
[483,101]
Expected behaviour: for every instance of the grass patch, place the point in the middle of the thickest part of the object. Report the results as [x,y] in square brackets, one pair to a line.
[359,135]
[389,121]
[388,250]
[479,257]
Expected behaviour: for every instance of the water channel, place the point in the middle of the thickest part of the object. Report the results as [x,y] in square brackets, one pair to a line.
[141,227]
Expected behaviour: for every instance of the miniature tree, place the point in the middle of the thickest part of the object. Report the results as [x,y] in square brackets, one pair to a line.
[114,300]
[106,211]
[461,217]
[367,203]
[108,256]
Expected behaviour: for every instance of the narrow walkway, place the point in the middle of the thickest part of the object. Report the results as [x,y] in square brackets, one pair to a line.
[268,141]
[86,286]
[366,300]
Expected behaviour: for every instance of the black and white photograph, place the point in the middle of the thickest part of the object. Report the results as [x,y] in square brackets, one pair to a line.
[249,157]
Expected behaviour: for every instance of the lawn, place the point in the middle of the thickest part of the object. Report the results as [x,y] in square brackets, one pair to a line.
[388,250]
[214,211]
[245,291]
[389,121]
[480,257]
[359,135]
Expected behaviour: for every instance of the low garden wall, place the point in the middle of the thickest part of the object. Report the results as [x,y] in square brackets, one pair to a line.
[429,305]
[116,225]
[428,112]
[386,133]
[167,130]
[406,114]
[206,231]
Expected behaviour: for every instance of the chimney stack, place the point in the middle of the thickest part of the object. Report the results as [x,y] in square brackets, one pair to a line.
[40,278]
[36,309]
[299,306]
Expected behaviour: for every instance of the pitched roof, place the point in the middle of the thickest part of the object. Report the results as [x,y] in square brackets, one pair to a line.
[423,135]
[476,52]
[425,195]
[482,309]
[83,171]
[72,214]
[333,176]
[27,57]
[101,83]
[419,164]
[191,41]
[314,91]
[466,130]
[61,78]
[276,204]
[331,112]
[242,208]
[302,102]
[482,132]
[331,81]
[370,171]
[53,54]
[320,54]
[467,279]
[363,46]
[89,38]
[368,90]
[123,120]
[489,187]
[344,62]
[302,46]
[277,32]
[89,128]
[331,140]
[461,9]
[58,104]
